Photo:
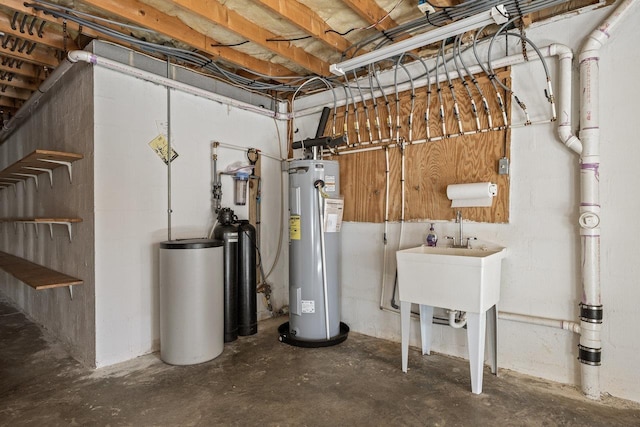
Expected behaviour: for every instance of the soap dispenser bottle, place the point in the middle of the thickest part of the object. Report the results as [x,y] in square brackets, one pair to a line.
[432,237]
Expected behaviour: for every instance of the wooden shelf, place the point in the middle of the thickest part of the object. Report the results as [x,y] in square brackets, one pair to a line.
[49,221]
[35,275]
[37,163]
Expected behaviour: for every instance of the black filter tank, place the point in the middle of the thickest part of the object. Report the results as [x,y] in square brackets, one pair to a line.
[247,282]
[227,231]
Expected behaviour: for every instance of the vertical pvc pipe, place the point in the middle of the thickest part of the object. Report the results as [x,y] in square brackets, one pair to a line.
[591,306]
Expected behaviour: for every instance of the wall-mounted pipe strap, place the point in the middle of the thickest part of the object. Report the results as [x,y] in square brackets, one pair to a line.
[589,356]
[591,313]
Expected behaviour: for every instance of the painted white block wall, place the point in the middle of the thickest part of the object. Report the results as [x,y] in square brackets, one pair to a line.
[131,199]
[541,275]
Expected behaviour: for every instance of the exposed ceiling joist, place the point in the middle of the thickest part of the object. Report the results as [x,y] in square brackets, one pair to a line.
[12,80]
[372,13]
[218,14]
[26,70]
[141,14]
[307,20]
[12,50]
[48,39]
[13,92]
[11,104]
[19,5]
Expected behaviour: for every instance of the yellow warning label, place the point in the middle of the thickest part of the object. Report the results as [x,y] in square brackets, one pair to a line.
[294,227]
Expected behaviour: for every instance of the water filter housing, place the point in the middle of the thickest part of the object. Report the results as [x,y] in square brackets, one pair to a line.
[307,311]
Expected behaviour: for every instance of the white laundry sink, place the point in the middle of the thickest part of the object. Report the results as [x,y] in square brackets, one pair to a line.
[453,278]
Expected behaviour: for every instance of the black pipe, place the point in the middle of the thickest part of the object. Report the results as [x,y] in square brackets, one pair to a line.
[323,121]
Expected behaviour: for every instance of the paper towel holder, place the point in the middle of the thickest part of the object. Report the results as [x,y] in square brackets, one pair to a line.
[470,195]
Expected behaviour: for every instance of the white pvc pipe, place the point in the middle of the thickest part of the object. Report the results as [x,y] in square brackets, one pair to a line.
[541,321]
[589,220]
[455,324]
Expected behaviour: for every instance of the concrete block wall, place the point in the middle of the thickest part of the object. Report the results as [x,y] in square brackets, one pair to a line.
[62,122]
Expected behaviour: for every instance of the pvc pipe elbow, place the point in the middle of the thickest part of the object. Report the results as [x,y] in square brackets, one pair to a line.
[569,139]
[561,51]
[82,55]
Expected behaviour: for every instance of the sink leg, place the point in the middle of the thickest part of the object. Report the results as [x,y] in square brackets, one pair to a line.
[405,324]
[492,338]
[476,330]
[426,322]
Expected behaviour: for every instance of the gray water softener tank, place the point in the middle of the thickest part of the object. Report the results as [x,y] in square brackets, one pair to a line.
[191,301]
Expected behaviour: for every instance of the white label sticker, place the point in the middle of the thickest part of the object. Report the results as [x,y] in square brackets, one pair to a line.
[308,306]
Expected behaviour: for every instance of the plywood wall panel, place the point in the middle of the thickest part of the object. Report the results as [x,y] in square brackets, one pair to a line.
[448,158]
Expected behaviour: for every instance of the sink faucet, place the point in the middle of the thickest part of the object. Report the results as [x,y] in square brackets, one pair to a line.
[457,241]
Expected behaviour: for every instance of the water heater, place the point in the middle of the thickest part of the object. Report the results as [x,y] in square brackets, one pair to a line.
[314,255]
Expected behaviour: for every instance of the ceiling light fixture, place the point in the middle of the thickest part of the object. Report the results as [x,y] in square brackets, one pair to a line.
[496,15]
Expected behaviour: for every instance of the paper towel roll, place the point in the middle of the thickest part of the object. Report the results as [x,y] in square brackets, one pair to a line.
[476,194]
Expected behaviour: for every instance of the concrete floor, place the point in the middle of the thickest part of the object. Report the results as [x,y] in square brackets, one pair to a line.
[260,381]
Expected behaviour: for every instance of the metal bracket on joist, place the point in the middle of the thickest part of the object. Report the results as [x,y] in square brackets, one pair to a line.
[28,175]
[48,171]
[60,162]
[68,224]
[13,184]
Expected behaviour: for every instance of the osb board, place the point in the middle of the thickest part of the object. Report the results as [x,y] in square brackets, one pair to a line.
[429,166]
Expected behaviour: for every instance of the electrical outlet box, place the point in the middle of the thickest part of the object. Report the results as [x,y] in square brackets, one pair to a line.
[503,166]
[425,7]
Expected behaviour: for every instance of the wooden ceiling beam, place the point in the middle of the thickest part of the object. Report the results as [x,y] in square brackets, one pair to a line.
[372,13]
[36,57]
[18,83]
[11,103]
[155,20]
[19,6]
[231,20]
[48,39]
[11,92]
[307,20]
[26,70]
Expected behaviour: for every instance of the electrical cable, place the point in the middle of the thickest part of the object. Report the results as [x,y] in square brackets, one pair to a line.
[375,104]
[365,108]
[485,103]
[463,79]
[491,78]
[456,110]
[439,92]
[428,101]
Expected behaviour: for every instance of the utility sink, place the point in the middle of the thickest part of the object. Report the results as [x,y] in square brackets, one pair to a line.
[457,279]
[454,278]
